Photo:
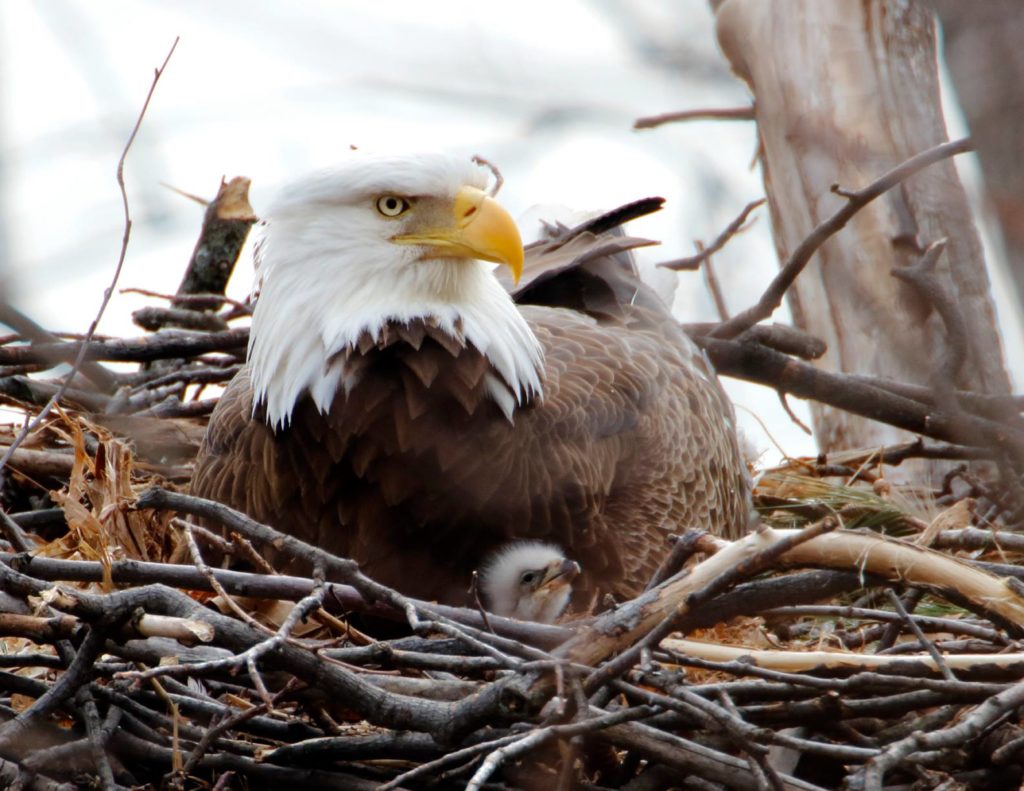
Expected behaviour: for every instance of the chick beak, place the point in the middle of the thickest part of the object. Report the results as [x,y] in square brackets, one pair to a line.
[560,573]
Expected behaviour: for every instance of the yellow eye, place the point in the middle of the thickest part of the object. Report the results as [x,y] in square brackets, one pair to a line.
[392,205]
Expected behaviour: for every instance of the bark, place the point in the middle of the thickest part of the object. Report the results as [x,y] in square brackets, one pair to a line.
[226,225]
[843,93]
[982,47]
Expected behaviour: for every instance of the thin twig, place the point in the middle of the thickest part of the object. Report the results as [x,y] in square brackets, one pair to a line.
[109,291]
[735,227]
[708,114]
[897,605]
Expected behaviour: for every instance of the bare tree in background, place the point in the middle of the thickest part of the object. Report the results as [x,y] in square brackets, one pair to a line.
[843,93]
[982,48]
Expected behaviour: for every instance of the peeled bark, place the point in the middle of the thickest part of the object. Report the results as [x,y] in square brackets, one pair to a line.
[844,92]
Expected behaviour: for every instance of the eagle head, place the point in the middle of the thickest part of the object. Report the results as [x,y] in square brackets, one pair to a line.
[376,240]
[529,580]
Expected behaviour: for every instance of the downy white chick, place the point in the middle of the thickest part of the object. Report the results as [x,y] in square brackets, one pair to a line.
[528,580]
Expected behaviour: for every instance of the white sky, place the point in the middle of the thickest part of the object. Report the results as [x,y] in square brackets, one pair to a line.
[546,90]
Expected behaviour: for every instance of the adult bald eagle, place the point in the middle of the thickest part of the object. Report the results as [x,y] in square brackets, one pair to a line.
[399,408]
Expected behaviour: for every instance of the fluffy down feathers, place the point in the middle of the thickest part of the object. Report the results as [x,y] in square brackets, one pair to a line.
[528,580]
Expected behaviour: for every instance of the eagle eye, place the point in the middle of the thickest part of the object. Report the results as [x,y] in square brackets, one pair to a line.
[392,205]
[528,577]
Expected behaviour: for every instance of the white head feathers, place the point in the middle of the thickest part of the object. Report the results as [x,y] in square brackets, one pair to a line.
[529,580]
[331,272]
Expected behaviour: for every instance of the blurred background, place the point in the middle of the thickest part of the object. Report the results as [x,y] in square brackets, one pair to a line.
[547,91]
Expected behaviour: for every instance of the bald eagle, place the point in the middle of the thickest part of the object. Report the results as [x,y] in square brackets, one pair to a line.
[401,408]
[528,580]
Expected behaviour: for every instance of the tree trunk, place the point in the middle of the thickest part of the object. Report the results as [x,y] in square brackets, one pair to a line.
[982,43]
[845,91]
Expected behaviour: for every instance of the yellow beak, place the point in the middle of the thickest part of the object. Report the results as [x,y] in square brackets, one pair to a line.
[480,229]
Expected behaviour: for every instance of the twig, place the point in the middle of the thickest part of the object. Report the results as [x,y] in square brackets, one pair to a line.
[31,331]
[67,685]
[215,731]
[780,337]
[195,301]
[207,572]
[683,548]
[98,736]
[499,180]
[108,292]
[226,223]
[688,701]
[756,363]
[536,738]
[922,277]
[154,318]
[248,657]
[159,346]
[927,644]
[474,590]
[13,533]
[981,719]
[954,625]
[710,114]
[714,287]
[448,759]
[733,228]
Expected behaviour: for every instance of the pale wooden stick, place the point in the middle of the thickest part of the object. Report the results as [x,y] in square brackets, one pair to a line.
[797,661]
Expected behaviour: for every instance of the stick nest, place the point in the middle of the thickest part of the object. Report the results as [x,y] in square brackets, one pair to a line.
[867,634]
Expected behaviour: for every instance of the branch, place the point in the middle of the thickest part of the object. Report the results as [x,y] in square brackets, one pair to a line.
[759,364]
[33,332]
[709,114]
[922,278]
[226,224]
[736,226]
[818,661]
[160,346]
[855,201]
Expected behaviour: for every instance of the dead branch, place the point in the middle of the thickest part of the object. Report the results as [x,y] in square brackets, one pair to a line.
[154,319]
[226,223]
[159,346]
[736,226]
[855,201]
[759,364]
[711,114]
[29,330]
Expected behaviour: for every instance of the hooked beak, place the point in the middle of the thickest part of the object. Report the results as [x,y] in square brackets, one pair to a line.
[480,229]
[558,574]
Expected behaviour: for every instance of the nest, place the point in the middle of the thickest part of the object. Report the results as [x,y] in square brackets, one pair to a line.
[866,634]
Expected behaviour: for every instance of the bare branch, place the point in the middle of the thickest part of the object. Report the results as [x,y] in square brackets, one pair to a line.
[710,114]
[855,201]
[733,228]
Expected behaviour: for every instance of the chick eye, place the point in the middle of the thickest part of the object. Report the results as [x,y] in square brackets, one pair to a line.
[392,205]
[528,577]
